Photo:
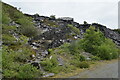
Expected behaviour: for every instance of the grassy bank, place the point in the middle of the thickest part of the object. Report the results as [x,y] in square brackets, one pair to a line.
[94,65]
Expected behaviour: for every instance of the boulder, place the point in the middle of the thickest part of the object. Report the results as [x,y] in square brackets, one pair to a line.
[66,18]
[60,61]
[49,75]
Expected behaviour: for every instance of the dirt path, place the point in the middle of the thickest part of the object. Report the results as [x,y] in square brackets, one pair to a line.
[107,70]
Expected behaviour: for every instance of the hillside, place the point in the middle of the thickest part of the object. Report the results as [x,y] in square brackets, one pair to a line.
[35,46]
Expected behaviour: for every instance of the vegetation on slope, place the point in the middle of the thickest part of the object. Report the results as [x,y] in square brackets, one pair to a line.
[18,29]
[117,30]
[93,42]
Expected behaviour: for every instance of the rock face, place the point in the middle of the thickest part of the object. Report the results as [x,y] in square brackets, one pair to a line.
[107,32]
[55,31]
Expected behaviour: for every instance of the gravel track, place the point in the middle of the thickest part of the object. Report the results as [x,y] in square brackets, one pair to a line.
[109,70]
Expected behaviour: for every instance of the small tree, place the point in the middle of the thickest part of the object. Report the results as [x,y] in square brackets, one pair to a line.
[52,16]
[96,43]
[85,22]
[36,14]
[92,39]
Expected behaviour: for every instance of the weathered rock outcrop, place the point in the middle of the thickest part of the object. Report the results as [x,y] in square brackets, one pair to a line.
[109,33]
[55,31]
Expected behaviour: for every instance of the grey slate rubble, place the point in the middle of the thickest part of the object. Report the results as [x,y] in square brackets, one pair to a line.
[52,37]
[56,34]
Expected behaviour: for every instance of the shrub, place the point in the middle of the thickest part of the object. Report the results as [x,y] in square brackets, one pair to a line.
[74,29]
[56,69]
[92,38]
[50,64]
[108,50]
[85,22]
[64,48]
[104,52]
[23,39]
[83,64]
[96,43]
[79,57]
[28,71]
[27,28]
[50,50]
[65,45]
[23,54]
[50,23]
[117,30]
[5,18]
[95,58]
[14,68]
[74,48]
[52,16]
[7,58]
[8,29]
[74,62]
[82,58]
[8,39]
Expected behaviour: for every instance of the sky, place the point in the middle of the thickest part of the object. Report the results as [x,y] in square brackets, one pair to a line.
[104,12]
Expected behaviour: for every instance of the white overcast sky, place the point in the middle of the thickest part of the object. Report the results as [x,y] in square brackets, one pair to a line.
[99,11]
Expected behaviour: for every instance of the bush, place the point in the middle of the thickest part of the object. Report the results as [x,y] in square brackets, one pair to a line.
[14,68]
[74,62]
[28,71]
[50,50]
[96,43]
[50,23]
[79,64]
[74,29]
[83,64]
[50,64]
[27,28]
[64,48]
[8,29]
[8,39]
[91,39]
[56,69]
[117,30]
[95,58]
[7,58]
[82,58]
[107,50]
[75,48]
[10,13]
[23,54]
[52,16]
[65,45]
[79,57]
[5,18]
